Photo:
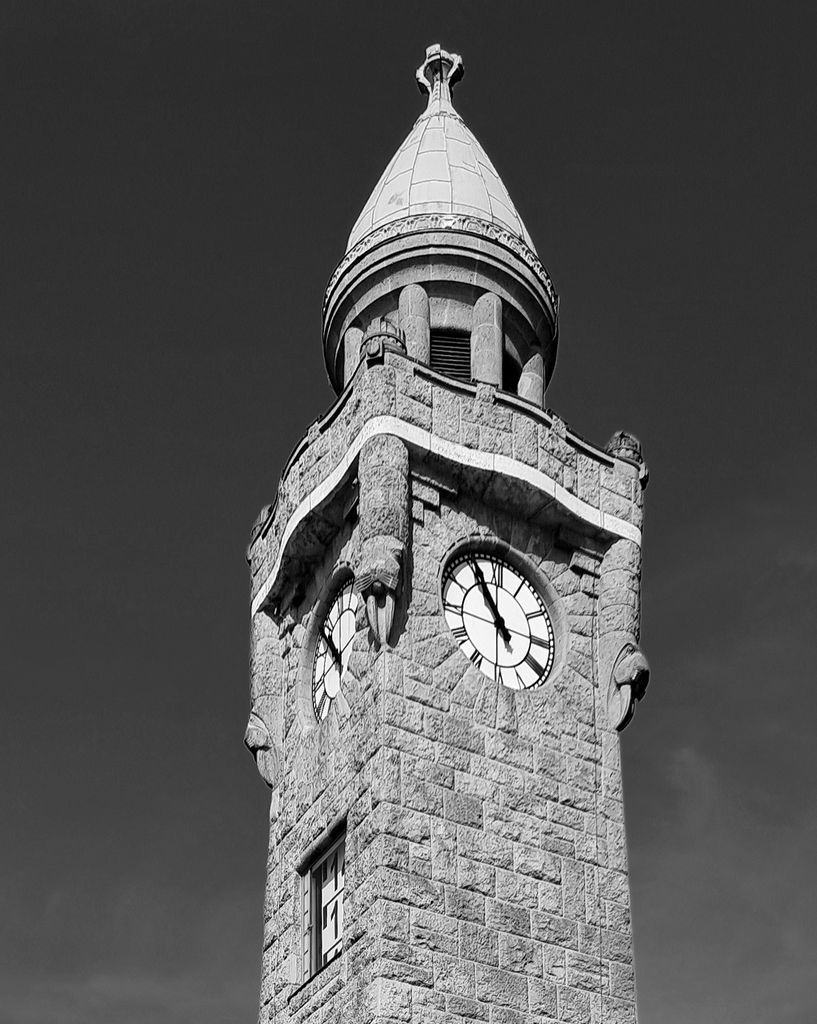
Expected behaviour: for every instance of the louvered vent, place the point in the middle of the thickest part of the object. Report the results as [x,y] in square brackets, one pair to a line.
[451,355]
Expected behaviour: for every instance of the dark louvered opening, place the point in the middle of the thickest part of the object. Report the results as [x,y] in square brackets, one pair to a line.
[451,355]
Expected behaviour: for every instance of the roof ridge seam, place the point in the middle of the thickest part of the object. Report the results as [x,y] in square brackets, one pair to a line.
[386,174]
[448,171]
[413,168]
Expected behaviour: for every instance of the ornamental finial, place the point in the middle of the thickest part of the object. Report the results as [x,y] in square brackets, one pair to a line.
[438,74]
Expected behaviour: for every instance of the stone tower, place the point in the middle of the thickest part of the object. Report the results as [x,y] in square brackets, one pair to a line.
[445,628]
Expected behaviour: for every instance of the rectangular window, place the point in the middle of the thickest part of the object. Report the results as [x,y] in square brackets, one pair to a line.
[322,908]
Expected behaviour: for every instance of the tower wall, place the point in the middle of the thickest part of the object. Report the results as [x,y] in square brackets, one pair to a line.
[486,860]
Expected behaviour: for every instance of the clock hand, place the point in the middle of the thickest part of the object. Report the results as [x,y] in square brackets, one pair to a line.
[499,622]
[480,618]
[330,643]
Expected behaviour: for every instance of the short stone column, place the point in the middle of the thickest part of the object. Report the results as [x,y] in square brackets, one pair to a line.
[532,381]
[351,352]
[415,322]
[487,340]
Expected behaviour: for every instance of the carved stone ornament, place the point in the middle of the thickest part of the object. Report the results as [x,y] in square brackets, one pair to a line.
[378,579]
[627,684]
[379,336]
[625,446]
[258,741]
[383,486]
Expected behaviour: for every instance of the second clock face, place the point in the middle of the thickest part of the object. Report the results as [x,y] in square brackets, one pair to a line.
[498,619]
[333,649]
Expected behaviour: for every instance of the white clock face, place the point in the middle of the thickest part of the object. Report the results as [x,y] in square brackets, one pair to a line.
[333,649]
[498,619]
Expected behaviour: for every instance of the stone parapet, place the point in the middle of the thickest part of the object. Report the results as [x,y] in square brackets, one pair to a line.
[493,441]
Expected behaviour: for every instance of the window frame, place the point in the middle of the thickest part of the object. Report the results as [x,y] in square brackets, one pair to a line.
[313,904]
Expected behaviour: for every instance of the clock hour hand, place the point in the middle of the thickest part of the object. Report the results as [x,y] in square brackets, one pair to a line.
[330,643]
[486,593]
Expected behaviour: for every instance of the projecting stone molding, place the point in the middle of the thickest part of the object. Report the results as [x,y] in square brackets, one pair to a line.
[471,427]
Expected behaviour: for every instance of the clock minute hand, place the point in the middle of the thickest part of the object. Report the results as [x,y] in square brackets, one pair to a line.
[486,593]
[330,643]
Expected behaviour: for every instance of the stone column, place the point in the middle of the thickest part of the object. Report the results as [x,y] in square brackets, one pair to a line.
[532,382]
[487,340]
[383,483]
[351,352]
[623,669]
[415,322]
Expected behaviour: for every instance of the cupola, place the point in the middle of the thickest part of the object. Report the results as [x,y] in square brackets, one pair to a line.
[441,253]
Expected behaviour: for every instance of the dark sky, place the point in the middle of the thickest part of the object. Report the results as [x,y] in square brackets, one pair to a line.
[177,182]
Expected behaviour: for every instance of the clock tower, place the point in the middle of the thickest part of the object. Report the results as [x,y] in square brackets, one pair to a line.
[445,633]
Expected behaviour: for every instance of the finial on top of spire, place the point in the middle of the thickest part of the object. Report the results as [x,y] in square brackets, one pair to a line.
[438,74]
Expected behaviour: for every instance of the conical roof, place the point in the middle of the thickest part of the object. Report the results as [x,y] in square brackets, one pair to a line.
[440,168]
[440,217]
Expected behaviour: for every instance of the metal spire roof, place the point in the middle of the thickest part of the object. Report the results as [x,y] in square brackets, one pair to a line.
[440,168]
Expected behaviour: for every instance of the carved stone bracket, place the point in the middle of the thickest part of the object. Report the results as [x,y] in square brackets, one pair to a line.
[258,741]
[626,685]
[262,737]
[623,668]
[383,477]
[378,582]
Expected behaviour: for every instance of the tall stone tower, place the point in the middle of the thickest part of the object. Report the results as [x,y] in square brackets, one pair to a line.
[445,628]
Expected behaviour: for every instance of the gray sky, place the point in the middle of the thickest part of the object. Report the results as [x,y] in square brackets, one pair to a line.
[178,181]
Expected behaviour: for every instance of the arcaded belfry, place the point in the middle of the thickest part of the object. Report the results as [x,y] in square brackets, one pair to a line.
[445,634]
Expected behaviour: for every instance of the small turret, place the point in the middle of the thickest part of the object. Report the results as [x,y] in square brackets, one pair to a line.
[440,251]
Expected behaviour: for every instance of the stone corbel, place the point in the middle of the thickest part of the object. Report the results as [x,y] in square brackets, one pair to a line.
[258,741]
[383,482]
[623,668]
[266,689]
[378,581]
[627,684]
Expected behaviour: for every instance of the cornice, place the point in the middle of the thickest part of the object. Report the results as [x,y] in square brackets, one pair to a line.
[455,223]
[426,442]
